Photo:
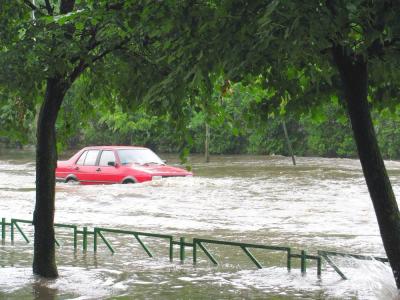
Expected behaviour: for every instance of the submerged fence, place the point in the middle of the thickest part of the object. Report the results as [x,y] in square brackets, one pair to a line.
[196,245]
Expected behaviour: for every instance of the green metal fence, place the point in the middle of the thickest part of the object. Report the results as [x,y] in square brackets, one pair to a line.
[137,234]
[245,247]
[198,243]
[327,254]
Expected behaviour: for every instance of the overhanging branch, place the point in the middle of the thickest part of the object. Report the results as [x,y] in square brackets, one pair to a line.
[49,8]
[31,5]
[108,51]
[115,6]
[77,71]
[83,64]
[377,48]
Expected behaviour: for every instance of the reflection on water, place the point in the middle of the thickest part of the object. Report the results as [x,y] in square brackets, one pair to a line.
[42,292]
[318,204]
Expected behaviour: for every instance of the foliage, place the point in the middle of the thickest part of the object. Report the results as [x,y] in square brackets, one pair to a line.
[322,131]
[387,124]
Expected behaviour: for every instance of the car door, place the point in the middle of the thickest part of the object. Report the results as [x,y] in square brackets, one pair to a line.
[88,172]
[108,170]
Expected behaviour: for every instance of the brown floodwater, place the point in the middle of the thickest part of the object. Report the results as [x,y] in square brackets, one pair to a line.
[320,204]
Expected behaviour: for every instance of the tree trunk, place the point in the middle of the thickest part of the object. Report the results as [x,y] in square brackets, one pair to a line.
[289,144]
[44,263]
[207,144]
[354,74]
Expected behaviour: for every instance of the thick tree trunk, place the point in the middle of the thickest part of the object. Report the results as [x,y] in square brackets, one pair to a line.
[354,75]
[44,263]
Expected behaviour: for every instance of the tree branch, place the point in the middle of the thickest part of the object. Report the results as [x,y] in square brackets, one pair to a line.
[92,43]
[115,6]
[105,52]
[49,8]
[83,65]
[31,5]
[66,6]
[77,71]
[377,48]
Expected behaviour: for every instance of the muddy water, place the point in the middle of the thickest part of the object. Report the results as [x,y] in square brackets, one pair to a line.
[320,204]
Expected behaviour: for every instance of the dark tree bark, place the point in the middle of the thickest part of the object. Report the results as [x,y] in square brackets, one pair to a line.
[354,75]
[44,263]
[207,144]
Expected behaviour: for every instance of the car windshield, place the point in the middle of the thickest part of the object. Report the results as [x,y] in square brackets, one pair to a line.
[139,156]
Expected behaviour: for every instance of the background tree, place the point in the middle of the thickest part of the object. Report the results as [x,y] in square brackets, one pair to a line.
[348,42]
[90,39]
[345,44]
[46,55]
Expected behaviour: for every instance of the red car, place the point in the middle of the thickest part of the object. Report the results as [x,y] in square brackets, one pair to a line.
[115,164]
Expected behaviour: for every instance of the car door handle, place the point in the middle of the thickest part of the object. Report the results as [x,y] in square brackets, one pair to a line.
[77,168]
[98,170]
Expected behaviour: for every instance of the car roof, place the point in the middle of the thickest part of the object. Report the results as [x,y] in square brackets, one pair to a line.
[112,147]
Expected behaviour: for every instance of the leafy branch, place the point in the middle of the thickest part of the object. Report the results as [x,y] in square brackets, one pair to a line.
[83,64]
[49,8]
[31,5]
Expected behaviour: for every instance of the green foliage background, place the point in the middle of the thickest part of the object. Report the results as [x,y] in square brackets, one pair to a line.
[322,131]
[235,129]
[160,88]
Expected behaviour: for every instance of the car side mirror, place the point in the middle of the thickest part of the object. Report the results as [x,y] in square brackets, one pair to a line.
[112,164]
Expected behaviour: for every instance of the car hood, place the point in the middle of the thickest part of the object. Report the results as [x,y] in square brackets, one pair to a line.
[161,170]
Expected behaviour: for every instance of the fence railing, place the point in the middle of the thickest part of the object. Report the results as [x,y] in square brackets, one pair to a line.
[98,231]
[198,243]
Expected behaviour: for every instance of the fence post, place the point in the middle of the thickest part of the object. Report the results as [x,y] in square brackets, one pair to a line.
[289,259]
[194,251]
[84,238]
[12,232]
[3,229]
[75,238]
[319,266]
[182,249]
[95,240]
[303,261]
[171,249]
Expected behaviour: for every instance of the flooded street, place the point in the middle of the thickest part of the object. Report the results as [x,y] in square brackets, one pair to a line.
[320,204]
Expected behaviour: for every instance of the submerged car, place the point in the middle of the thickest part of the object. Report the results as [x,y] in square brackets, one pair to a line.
[115,164]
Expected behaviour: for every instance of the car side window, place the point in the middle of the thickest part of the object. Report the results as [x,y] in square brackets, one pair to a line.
[81,159]
[106,157]
[91,157]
